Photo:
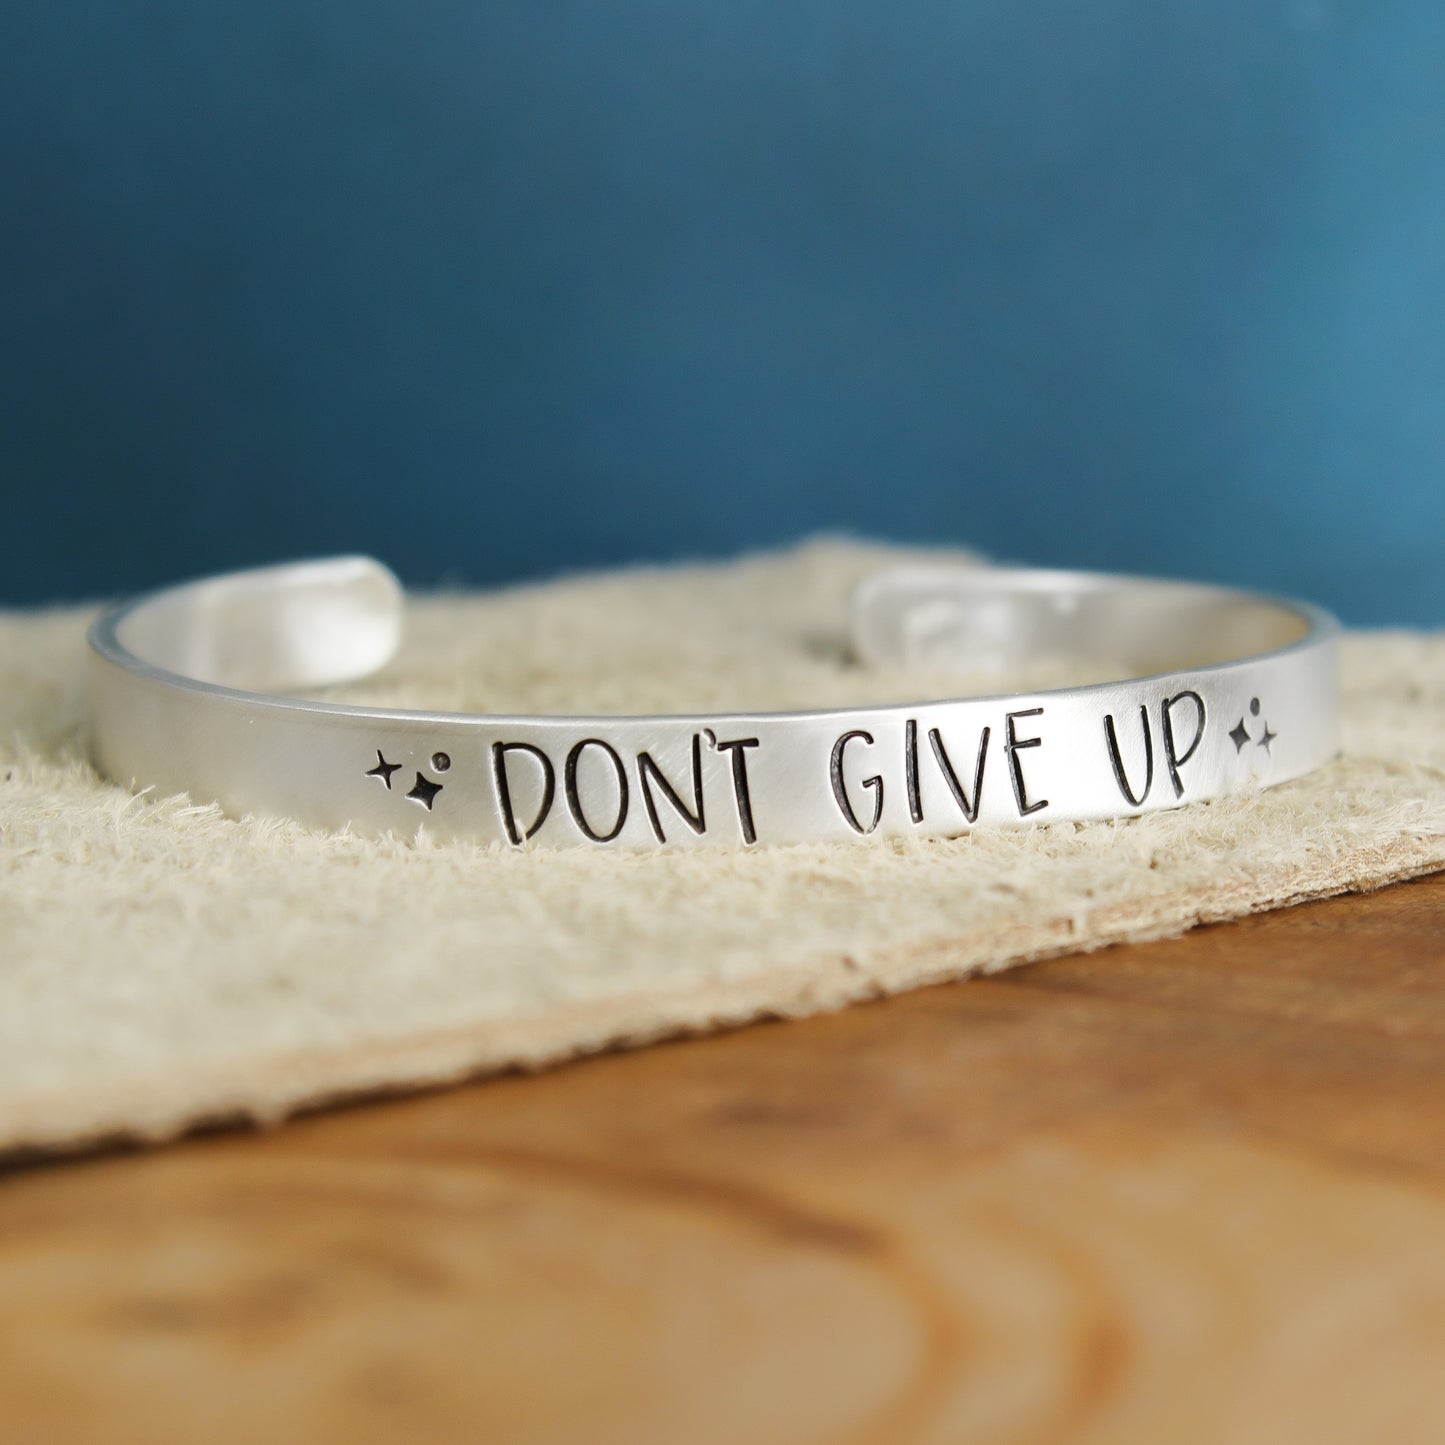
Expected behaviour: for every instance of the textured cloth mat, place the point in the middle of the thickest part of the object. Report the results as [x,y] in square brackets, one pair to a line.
[162,965]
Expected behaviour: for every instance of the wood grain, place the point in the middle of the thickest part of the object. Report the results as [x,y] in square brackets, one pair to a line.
[1189,1191]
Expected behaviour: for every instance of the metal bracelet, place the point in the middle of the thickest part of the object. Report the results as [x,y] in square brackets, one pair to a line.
[1239,691]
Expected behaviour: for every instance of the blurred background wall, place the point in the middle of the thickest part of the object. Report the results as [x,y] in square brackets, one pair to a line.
[494,288]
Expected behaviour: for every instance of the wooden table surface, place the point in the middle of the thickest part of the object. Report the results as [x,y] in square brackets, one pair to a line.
[1188,1191]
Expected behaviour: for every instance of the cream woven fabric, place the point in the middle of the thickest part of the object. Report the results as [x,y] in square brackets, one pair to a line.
[161,965]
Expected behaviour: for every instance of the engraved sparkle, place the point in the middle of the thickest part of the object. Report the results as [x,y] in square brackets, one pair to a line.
[1240,734]
[424,791]
[383,770]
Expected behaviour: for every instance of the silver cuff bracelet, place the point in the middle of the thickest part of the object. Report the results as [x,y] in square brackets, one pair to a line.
[1236,692]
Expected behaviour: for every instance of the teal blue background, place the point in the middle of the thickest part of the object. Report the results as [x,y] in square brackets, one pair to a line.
[498,289]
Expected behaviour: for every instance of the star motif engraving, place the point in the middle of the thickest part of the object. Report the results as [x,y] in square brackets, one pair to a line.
[1239,735]
[424,791]
[383,770]
[1266,738]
